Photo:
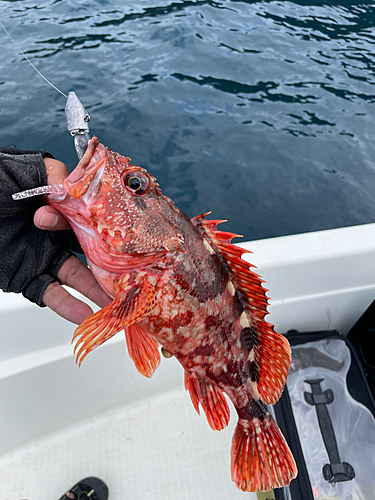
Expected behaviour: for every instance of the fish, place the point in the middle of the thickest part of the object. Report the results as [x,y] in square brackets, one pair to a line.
[181,284]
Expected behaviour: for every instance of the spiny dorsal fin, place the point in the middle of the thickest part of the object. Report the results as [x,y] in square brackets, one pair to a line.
[247,282]
[271,350]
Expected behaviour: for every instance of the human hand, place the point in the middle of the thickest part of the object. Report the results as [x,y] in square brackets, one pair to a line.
[73,272]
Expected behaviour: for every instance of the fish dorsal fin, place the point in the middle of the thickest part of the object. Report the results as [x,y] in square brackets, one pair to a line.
[129,307]
[247,282]
[268,352]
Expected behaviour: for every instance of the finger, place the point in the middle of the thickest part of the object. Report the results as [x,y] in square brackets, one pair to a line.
[56,171]
[65,305]
[47,217]
[76,275]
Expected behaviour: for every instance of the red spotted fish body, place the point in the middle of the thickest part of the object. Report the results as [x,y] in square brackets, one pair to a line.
[180,283]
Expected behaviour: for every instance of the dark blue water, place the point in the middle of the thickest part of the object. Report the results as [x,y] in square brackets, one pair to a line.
[262,112]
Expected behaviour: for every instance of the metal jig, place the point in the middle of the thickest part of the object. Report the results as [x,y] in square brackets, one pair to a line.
[77,120]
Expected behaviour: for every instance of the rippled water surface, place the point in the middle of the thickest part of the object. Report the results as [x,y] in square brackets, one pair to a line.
[262,112]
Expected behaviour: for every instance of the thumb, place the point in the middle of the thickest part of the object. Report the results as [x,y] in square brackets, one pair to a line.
[56,171]
[48,218]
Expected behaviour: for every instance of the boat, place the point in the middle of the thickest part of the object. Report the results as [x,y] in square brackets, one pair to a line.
[60,423]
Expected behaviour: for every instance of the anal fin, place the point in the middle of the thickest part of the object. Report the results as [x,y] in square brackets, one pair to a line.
[211,399]
[142,349]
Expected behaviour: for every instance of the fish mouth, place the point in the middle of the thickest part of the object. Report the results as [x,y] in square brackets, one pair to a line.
[80,179]
[85,178]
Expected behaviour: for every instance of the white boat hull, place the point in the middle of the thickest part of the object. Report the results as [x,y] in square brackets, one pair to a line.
[59,423]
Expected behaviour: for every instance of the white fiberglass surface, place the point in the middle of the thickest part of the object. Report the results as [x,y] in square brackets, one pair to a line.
[59,423]
[155,449]
[317,281]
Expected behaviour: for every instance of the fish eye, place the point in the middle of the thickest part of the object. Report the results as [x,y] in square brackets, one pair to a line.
[136,182]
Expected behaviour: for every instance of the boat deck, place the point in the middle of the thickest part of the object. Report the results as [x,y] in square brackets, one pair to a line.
[156,449]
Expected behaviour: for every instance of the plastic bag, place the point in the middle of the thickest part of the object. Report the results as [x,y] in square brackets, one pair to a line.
[353,423]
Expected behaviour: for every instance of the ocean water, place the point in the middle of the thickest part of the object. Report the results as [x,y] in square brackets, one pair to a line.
[262,112]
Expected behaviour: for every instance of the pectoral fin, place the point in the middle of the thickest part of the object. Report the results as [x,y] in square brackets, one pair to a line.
[128,308]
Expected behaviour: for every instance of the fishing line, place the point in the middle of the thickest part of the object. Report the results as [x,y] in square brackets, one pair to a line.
[28,60]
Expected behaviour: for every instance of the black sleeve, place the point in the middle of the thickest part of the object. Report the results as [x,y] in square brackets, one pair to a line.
[29,257]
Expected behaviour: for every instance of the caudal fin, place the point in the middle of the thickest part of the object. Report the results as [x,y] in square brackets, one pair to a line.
[260,457]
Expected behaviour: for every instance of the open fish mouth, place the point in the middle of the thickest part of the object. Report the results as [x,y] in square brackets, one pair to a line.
[85,178]
[84,181]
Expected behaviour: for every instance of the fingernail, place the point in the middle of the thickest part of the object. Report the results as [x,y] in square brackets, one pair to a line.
[48,220]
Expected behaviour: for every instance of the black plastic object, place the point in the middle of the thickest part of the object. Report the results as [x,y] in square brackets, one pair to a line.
[357,380]
[360,383]
[90,488]
[300,487]
[335,471]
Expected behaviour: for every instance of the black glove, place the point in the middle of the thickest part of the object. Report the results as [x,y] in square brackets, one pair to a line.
[30,258]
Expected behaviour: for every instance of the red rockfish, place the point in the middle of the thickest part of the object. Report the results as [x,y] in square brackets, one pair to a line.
[180,283]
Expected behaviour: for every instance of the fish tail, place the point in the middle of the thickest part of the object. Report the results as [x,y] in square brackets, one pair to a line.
[260,457]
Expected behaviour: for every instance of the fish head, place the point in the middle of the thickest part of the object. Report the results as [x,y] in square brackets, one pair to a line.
[109,201]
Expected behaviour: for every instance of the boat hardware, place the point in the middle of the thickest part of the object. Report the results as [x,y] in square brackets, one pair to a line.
[336,471]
